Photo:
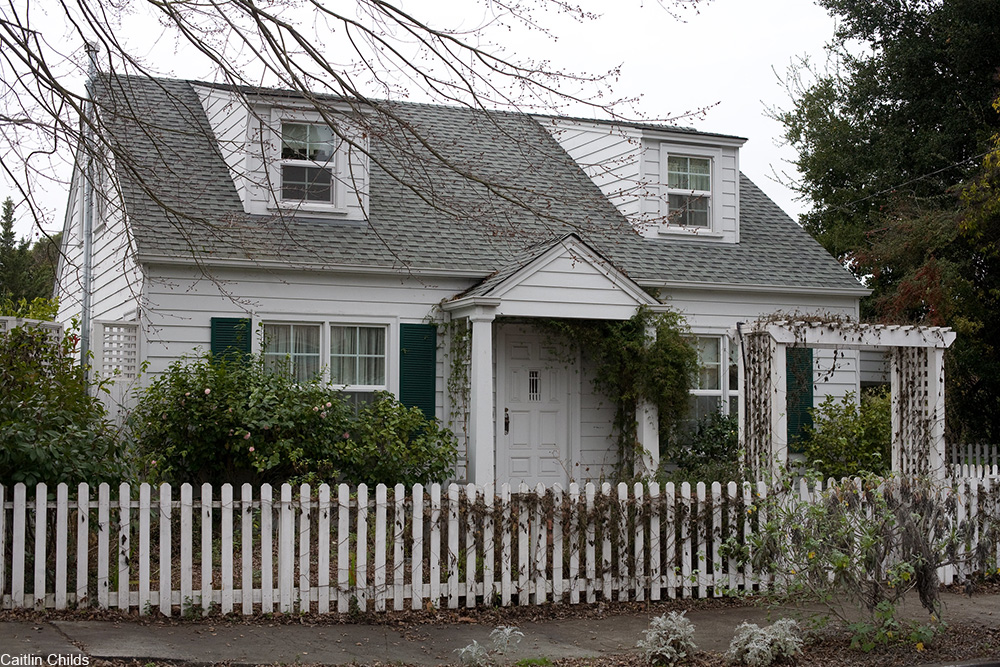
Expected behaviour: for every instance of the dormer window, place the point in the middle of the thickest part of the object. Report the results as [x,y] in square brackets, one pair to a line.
[689,191]
[308,163]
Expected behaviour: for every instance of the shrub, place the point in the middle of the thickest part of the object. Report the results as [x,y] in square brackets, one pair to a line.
[210,420]
[846,440]
[858,548]
[709,452]
[392,444]
[760,647]
[52,429]
[503,638]
[669,639]
[236,421]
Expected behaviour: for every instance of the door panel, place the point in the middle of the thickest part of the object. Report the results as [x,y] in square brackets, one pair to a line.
[535,402]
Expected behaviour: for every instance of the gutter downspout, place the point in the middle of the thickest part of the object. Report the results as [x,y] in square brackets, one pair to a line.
[88,215]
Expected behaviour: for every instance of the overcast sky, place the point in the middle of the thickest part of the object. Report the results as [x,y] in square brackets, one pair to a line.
[726,56]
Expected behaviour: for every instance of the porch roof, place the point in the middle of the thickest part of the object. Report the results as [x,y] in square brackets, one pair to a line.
[564,278]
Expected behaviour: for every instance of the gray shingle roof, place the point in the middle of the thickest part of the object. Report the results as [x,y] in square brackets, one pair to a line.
[498,189]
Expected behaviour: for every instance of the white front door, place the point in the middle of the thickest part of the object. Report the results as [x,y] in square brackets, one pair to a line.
[533,408]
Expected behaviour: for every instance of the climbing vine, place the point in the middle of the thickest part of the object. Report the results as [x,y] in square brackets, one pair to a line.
[648,357]
[459,351]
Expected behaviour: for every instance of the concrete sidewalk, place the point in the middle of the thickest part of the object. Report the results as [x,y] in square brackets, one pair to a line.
[78,642]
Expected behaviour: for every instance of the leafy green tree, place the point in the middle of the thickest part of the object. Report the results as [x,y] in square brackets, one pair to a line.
[903,115]
[888,140]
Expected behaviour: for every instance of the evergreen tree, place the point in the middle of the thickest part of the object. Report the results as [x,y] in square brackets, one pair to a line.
[891,143]
[26,272]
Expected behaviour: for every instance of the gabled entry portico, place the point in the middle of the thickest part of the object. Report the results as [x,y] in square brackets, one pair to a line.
[565,279]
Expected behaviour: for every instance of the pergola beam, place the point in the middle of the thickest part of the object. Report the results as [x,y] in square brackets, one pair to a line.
[917,371]
[831,335]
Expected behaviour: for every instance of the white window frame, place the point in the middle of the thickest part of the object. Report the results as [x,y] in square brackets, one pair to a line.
[337,165]
[293,356]
[391,327]
[714,157]
[358,388]
[726,392]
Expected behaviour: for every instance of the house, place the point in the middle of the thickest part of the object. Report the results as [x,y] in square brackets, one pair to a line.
[355,250]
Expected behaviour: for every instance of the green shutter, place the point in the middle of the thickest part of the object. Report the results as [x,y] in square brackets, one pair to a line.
[799,379]
[230,337]
[418,366]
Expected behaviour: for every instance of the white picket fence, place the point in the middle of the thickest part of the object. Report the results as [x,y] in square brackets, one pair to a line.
[974,457]
[340,549]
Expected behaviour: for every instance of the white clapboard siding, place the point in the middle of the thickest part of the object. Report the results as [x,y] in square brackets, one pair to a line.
[343,549]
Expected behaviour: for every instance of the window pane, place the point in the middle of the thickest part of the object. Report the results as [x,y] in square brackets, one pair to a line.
[292,349]
[698,165]
[710,368]
[687,210]
[306,183]
[734,365]
[343,340]
[701,174]
[321,142]
[307,340]
[277,339]
[371,370]
[703,183]
[684,173]
[342,370]
[294,141]
[706,405]
[372,340]
[306,367]
[305,141]
[357,355]
[677,172]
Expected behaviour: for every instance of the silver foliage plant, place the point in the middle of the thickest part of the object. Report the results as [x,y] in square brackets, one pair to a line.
[759,647]
[669,639]
[504,638]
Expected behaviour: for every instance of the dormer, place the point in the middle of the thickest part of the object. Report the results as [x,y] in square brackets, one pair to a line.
[284,156]
[670,183]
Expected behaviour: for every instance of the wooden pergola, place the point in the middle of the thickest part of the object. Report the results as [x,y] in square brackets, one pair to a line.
[917,371]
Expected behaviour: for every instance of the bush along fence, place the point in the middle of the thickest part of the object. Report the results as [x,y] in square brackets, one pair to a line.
[252,550]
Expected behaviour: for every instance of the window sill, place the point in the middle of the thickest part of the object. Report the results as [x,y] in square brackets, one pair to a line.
[696,232]
[310,209]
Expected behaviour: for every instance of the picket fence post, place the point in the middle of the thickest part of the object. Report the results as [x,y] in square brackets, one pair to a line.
[246,548]
[82,544]
[164,517]
[323,546]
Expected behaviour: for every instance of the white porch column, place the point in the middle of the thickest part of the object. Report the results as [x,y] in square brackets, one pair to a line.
[647,419]
[481,445]
[779,408]
[935,395]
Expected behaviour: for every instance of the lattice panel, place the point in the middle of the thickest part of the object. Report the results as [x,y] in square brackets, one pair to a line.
[120,350]
[758,396]
[916,408]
